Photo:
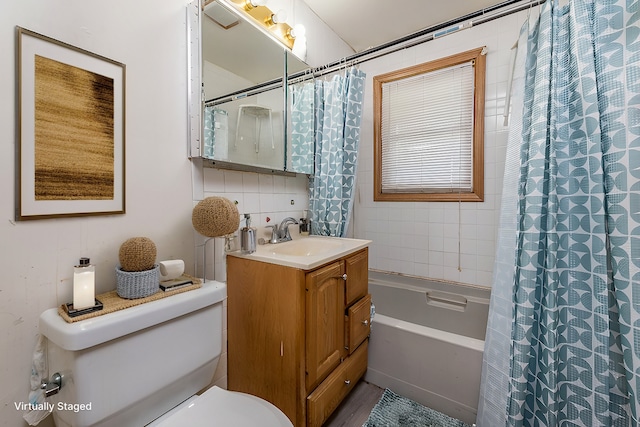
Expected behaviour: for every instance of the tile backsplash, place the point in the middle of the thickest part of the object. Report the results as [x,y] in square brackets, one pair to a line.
[268,198]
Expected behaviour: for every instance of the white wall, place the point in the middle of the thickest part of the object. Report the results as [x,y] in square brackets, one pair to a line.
[219,82]
[37,257]
[421,238]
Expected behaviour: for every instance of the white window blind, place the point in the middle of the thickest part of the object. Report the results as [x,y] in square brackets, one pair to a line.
[427,132]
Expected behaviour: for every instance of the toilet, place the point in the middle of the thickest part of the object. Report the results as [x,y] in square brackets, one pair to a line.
[145,365]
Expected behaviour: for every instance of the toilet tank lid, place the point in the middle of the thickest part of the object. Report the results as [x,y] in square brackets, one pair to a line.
[97,330]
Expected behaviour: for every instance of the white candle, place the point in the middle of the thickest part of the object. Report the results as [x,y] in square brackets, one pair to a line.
[84,285]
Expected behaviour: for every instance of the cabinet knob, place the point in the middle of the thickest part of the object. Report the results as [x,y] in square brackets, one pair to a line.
[344,276]
[365,322]
[347,382]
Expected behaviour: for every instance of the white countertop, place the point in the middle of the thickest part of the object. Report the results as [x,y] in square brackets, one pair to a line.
[305,253]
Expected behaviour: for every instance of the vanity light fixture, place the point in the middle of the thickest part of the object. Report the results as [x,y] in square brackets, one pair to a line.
[260,16]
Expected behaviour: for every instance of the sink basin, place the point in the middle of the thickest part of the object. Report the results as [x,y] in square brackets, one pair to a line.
[306,247]
[305,252]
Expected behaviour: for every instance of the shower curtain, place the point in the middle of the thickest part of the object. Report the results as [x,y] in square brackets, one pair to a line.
[337,116]
[302,125]
[563,339]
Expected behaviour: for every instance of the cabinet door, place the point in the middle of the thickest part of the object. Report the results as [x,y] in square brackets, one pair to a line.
[357,269]
[324,323]
[265,333]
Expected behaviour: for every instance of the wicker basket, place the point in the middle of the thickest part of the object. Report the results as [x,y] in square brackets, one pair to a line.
[137,284]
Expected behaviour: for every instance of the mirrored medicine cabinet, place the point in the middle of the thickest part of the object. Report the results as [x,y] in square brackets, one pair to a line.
[238,107]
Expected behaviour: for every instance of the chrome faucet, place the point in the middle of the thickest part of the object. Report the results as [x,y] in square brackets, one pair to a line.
[280,233]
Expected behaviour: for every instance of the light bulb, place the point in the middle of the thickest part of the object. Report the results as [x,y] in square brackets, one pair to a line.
[250,4]
[298,30]
[279,17]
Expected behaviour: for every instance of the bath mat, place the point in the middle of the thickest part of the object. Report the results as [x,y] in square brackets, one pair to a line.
[396,411]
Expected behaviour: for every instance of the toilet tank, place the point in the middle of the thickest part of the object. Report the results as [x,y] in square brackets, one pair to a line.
[128,367]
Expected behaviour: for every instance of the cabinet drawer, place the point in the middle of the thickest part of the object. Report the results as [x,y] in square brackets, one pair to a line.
[358,323]
[328,395]
[357,269]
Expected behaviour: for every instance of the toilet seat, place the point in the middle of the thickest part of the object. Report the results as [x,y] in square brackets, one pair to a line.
[219,407]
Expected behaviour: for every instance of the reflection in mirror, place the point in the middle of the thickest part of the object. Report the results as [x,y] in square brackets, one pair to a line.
[235,54]
[247,131]
[242,127]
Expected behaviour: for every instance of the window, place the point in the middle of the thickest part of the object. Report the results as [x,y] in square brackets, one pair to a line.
[429,129]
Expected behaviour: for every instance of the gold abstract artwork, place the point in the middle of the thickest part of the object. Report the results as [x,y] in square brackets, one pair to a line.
[74,133]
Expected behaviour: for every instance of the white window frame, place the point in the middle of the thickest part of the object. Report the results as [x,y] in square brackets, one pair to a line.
[468,139]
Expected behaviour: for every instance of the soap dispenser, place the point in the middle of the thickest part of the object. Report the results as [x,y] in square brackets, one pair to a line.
[247,237]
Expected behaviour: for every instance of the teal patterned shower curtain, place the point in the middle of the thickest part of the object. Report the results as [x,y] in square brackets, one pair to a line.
[302,127]
[338,112]
[567,275]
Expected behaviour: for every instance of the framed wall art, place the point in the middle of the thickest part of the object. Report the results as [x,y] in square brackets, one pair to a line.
[70,151]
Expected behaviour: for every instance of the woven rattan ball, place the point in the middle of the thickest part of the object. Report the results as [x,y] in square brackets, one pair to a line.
[137,254]
[215,217]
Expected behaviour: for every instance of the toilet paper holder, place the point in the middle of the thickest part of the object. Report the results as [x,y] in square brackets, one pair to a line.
[52,386]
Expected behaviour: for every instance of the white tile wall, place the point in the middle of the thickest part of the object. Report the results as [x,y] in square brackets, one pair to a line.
[268,198]
[435,239]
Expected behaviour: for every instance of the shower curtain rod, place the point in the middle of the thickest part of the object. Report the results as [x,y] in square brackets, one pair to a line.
[414,39]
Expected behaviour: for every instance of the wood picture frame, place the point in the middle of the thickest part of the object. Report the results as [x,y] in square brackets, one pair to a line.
[70,130]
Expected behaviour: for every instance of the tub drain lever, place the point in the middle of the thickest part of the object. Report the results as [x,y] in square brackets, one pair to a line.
[53,386]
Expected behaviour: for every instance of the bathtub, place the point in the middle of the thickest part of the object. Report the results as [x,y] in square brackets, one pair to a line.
[427,340]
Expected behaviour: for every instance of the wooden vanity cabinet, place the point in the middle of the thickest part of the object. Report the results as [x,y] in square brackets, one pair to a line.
[298,338]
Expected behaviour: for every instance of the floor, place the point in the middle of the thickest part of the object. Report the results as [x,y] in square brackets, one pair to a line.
[355,409]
